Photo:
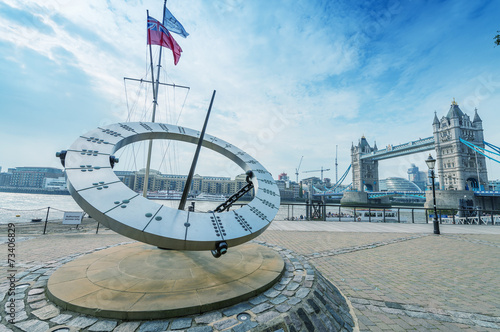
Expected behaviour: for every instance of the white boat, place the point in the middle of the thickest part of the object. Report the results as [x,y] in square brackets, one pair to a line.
[165,194]
[374,215]
[210,197]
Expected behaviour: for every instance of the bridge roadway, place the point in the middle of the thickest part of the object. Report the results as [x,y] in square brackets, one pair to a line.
[487,193]
[377,194]
[392,151]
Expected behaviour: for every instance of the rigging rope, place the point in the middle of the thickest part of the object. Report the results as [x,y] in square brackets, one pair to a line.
[176,123]
[142,95]
[143,113]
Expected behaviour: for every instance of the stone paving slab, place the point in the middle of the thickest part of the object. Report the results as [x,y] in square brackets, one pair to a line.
[103,326]
[448,282]
[372,227]
[46,312]
[139,284]
[319,243]
[443,279]
[373,321]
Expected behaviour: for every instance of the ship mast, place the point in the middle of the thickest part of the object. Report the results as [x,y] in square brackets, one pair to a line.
[155,103]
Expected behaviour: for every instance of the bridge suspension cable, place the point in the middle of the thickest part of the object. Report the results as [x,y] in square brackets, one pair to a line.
[339,182]
[342,178]
[482,150]
[496,148]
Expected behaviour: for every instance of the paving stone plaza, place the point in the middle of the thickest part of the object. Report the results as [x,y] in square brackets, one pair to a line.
[338,276]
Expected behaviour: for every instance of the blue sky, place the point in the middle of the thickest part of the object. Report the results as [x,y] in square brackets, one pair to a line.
[293,78]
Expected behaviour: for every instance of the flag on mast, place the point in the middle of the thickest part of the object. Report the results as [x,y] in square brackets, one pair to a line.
[159,35]
[171,23]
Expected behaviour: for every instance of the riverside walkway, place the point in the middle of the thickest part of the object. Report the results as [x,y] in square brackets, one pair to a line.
[401,277]
[398,277]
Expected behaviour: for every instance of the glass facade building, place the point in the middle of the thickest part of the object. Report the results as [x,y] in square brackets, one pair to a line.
[397,184]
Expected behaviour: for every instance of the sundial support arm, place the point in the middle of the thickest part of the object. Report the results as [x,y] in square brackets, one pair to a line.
[189,179]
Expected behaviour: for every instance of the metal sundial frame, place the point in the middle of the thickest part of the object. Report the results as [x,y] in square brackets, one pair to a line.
[100,193]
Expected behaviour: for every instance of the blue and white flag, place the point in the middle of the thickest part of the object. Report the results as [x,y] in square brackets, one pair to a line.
[171,23]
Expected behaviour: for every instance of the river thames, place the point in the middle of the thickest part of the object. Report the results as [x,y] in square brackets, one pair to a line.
[17,207]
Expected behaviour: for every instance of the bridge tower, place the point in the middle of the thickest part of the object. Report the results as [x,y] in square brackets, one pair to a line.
[364,171]
[459,167]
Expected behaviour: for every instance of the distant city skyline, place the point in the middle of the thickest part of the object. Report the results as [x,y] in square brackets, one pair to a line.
[292,79]
[420,180]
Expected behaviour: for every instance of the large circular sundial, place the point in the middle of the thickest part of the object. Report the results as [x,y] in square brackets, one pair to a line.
[96,188]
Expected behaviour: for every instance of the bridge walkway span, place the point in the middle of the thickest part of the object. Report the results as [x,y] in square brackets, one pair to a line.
[392,151]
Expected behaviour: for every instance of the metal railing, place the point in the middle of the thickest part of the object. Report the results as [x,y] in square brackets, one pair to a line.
[32,218]
[396,214]
[53,217]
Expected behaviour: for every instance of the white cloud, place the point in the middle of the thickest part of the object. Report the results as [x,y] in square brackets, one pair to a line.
[291,80]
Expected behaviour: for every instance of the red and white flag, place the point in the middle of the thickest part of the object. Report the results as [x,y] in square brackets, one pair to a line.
[159,35]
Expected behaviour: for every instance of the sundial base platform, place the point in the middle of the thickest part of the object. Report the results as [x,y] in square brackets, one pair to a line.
[139,281]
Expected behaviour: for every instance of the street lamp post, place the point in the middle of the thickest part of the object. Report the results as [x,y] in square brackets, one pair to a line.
[431,162]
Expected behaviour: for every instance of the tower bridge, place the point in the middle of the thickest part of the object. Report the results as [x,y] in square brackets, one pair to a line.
[462,171]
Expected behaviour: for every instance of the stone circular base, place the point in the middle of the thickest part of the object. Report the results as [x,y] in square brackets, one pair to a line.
[139,281]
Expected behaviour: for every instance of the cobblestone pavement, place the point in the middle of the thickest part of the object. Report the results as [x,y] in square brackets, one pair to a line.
[395,281]
[402,282]
[301,300]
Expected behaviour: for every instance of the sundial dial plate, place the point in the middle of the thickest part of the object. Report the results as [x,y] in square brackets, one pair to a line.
[99,192]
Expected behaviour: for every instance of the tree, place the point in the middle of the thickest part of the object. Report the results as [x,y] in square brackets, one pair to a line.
[497,38]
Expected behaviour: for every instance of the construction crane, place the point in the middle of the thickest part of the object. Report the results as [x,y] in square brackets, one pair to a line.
[297,169]
[318,170]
